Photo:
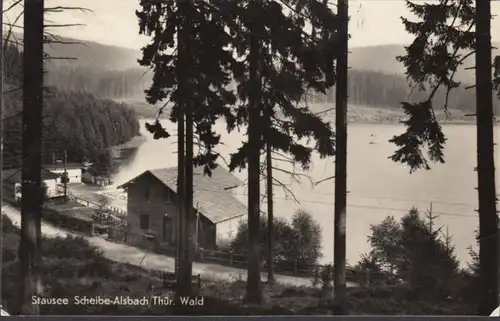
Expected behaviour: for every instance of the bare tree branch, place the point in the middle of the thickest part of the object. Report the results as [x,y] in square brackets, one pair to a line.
[324,180]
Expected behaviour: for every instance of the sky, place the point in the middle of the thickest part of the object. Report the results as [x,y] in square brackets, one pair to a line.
[113,22]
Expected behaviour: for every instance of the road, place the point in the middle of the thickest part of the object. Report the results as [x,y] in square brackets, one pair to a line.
[138,257]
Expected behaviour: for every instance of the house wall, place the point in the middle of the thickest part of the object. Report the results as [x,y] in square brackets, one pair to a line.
[227,230]
[51,188]
[154,204]
[74,174]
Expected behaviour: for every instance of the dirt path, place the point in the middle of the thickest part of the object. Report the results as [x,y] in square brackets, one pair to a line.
[135,256]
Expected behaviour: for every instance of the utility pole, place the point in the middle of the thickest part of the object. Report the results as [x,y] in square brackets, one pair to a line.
[196,229]
[31,201]
[65,175]
[488,216]
[339,255]
[270,215]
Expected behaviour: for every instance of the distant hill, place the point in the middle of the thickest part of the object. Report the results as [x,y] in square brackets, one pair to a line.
[383,59]
[103,70]
[376,77]
[91,54]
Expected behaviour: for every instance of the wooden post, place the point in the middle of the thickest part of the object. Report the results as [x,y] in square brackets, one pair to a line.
[295,267]
[196,229]
[367,277]
[230,258]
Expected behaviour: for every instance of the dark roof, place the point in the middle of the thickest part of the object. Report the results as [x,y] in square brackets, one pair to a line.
[61,166]
[211,194]
[14,175]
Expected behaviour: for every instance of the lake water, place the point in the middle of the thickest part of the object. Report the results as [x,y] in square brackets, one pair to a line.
[377,186]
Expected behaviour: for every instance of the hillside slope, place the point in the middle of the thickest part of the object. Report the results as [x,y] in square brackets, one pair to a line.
[376,78]
[383,59]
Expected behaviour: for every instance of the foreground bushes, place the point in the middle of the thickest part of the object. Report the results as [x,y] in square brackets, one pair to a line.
[297,244]
[72,267]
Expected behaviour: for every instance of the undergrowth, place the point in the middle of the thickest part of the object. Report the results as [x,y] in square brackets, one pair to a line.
[72,267]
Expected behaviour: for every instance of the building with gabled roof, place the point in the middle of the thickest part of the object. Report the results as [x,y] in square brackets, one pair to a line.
[152,205]
[12,180]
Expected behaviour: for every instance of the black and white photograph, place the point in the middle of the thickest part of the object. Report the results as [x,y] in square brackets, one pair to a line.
[250,157]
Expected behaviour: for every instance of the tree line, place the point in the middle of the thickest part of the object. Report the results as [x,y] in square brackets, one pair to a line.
[371,88]
[102,83]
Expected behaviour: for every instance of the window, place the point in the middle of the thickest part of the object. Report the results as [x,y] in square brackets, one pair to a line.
[144,221]
[147,193]
[168,196]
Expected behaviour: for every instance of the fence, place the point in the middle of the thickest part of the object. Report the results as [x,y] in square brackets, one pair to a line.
[287,267]
[111,209]
[238,260]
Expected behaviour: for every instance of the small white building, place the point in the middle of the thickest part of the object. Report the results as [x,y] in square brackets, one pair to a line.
[12,182]
[74,171]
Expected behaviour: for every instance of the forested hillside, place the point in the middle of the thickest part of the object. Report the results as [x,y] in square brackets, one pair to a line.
[381,84]
[103,70]
[371,88]
[382,58]
[75,121]
[112,72]
[98,81]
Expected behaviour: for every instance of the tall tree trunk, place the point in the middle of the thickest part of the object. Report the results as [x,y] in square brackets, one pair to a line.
[339,257]
[488,219]
[181,159]
[181,218]
[188,259]
[270,216]
[186,165]
[180,240]
[1,95]
[29,248]
[254,291]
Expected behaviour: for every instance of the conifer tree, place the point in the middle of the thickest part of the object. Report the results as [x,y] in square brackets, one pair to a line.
[443,40]
[274,95]
[190,58]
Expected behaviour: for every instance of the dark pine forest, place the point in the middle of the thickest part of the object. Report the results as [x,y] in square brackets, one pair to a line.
[74,120]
